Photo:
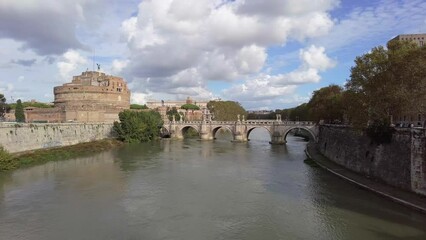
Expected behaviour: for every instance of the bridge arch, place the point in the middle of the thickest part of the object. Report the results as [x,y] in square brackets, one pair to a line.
[183,130]
[165,132]
[311,133]
[251,128]
[215,129]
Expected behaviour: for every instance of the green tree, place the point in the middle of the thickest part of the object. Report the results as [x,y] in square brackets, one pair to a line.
[19,112]
[173,112]
[138,126]
[190,106]
[226,110]
[3,106]
[386,82]
[300,113]
[326,104]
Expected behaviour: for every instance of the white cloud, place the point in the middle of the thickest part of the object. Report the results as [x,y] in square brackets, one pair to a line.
[50,27]
[375,24]
[176,46]
[71,60]
[140,98]
[118,65]
[315,57]
[266,87]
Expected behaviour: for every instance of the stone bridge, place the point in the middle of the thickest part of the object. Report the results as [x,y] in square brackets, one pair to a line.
[240,129]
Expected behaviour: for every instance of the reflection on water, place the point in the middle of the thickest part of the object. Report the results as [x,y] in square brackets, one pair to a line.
[194,189]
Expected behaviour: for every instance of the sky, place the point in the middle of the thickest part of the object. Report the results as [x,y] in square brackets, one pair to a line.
[265,54]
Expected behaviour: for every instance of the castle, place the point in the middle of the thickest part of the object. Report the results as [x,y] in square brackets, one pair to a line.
[92,96]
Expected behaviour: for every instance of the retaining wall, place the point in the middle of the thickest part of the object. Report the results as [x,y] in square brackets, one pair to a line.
[23,137]
[400,163]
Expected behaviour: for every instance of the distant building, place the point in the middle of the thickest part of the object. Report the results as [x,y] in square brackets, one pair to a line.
[419,39]
[260,112]
[90,97]
[153,104]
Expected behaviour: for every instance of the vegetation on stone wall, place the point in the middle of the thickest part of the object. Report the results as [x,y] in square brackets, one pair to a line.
[19,111]
[138,126]
[32,104]
[226,110]
[6,160]
[138,106]
[10,162]
[380,131]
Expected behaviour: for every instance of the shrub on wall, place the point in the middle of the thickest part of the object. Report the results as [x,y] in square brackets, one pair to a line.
[380,131]
[138,126]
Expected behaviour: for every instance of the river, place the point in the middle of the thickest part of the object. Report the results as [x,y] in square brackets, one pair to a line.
[196,190]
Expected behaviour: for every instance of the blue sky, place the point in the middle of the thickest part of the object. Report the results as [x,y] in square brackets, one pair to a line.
[266,54]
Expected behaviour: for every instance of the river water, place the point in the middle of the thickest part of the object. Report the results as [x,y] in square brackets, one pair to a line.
[196,190]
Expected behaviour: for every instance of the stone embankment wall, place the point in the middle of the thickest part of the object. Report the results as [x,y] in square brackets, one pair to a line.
[400,163]
[23,137]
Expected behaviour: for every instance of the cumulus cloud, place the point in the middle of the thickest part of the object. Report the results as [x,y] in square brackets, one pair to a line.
[118,65]
[313,61]
[71,60]
[47,27]
[176,46]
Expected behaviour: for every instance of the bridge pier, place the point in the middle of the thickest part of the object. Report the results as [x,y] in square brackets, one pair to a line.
[206,132]
[278,138]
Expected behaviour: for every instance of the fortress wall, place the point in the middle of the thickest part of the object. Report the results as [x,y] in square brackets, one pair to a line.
[23,137]
[400,163]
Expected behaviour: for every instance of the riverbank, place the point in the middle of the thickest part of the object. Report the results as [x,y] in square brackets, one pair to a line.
[409,199]
[36,157]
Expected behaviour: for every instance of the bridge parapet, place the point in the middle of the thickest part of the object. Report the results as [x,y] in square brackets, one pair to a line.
[247,122]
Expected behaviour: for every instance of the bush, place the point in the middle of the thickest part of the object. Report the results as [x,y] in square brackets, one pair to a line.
[138,126]
[6,160]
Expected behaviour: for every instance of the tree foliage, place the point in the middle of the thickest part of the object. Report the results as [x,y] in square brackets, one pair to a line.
[386,82]
[300,113]
[138,126]
[226,110]
[173,112]
[3,106]
[190,106]
[32,104]
[138,106]
[19,111]
[326,104]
